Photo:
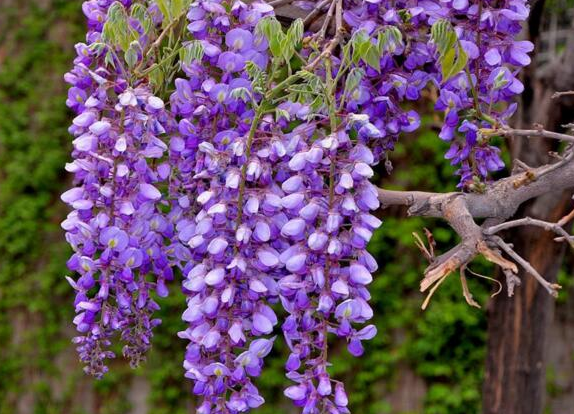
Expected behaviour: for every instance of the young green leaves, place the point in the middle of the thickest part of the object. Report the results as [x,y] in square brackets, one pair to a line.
[364,49]
[281,44]
[389,39]
[452,56]
[172,9]
[191,52]
[117,31]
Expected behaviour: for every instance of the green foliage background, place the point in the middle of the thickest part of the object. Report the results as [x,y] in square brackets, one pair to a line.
[444,345]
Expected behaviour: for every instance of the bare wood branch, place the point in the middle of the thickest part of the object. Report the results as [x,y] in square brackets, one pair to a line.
[315,12]
[512,281]
[566,219]
[528,221]
[551,288]
[499,202]
[539,133]
[279,3]
[321,33]
[501,199]
[560,94]
[339,16]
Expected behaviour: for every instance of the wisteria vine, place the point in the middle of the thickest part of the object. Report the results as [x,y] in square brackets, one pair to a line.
[213,143]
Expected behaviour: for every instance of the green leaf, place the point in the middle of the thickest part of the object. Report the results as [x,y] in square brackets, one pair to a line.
[347,49]
[317,104]
[452,57]
[164,8]
[269,27]
[353,79]
[109,59]
[276,45]
[241,93]
[360,43]
[140,13]
[191,52]
[282,113]
[253,70]
[97,47]
[176,7]
[131,55]
[389,40]
[443,35]
[156,78]
[459,64]
[115,12]
[287,49]
[257,76]
[364,49]
[372,57]
[310,77]
[499,81]
[117,31]
[295,32]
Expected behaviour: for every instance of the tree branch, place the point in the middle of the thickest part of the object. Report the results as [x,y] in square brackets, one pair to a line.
[501,199]
[560,94]
[538,133]
[315,12]
[528,221]
[552,288]
[497,204]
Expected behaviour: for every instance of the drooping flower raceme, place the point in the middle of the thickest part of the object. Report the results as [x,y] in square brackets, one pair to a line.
[328,202]
[473,99]
[117,229]
[231,279]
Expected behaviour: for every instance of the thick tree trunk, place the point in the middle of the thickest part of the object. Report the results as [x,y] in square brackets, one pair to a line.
[517,326]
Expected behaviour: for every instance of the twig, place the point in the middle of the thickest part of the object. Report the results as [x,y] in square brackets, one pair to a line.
[490,279]
[540,133]
[433,290]
[528,221]
[327,51]
[279,3]
[560,94]
[566,219]
[522,166]
[315,12]
[511,282]
[551,288]
[428,253]
[321,33]
[465,291]
[339,16]
[171,25]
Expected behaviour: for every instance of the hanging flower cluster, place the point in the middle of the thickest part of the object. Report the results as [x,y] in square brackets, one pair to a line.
[230,280]
[328,200]
[476,81]
[117,229]
[253,181]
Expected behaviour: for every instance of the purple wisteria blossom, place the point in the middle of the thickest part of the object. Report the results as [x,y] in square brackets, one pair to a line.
[117,229]
[231,279]
[260,198]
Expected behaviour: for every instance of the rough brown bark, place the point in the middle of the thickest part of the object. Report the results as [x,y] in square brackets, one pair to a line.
[517,326]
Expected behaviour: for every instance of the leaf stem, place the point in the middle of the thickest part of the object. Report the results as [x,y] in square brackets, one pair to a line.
[249,143]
